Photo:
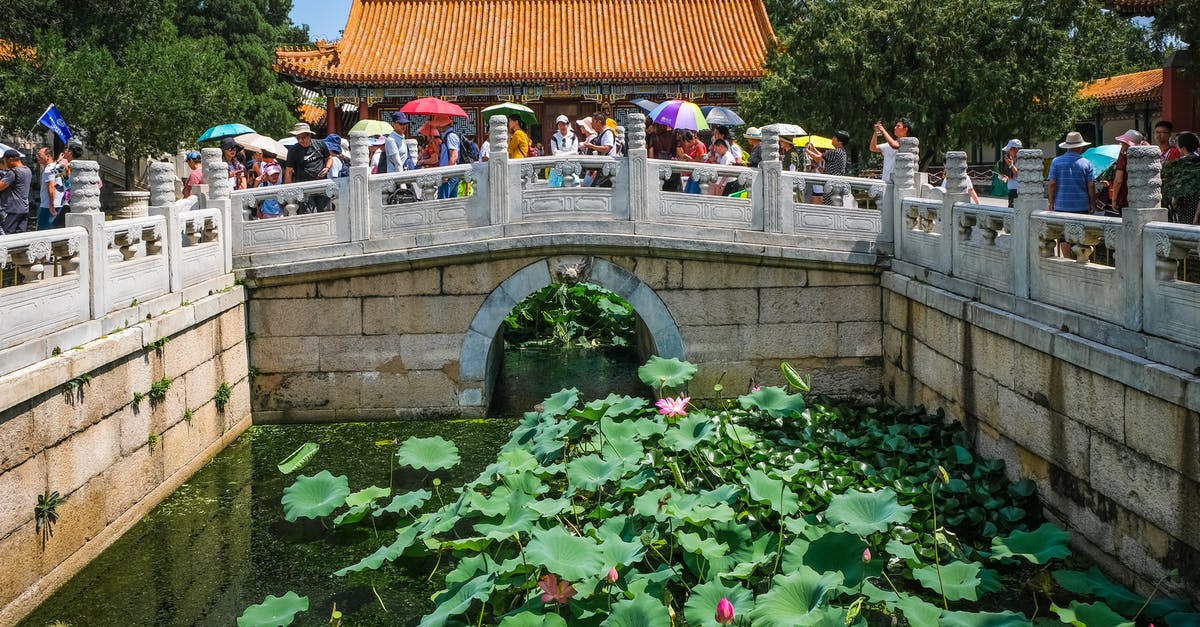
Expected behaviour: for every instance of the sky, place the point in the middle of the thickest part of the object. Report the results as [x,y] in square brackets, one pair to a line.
[325,18]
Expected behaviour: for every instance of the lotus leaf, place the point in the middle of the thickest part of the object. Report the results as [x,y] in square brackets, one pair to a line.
[352,515]
[746,550]
[434,453]
[773,400]
[592,471]
[959,580]
[794,599]
[518,520]
[983,619]
[666,373]
[405,502]
[690,432]
[448,604]
[701,606]
[648,583]
[865,513]
[615,551]
[387,553]
[764,489]
[640,611]
[1046,543]
[559,403]
[741,435]
[274,611]
[708,548]
[620,441]
[899,549]
[615,405]
[1090,615]
[298,459]
[919,613]
[790,473]
[570,557]
[315,496]
[515,460]
[530,619]
[366,496]
[1118,597]
[471,567]
[839,552]
[1182,619]
[793,378]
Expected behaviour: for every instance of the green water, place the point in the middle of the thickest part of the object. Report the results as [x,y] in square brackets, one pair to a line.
[219,543]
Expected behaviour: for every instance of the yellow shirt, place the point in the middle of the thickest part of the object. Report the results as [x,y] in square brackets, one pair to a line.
[518,145]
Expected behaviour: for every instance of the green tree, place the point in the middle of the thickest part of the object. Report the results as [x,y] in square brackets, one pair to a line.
[962,70]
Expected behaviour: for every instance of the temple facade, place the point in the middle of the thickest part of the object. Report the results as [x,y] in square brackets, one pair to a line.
[569,57]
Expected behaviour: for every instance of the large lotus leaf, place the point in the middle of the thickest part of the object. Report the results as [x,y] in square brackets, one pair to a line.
[794,599]
[1090,615]
[919,613]
[666,373]
[530,619]
[707,547]
[701,606]
[525,482]
[518,519]
[592,471]
[299,459]
[434,453]
[959,580]
[1040,546]
[655,503]
[616,551]
[471,567]
[765,489]
[387,553]
[983,619]
[742,435]
[549,508]
[789,473]
[448,604]
[620,441]
[773,400]
[1118,597]
[549,436]
[494,504]
[614,405]
[691,431]
[1183,619]
[315,496]
[352,515]
[560,402]
[570,557]
[746,549]
[405,502]
[865,513]
[640,611]
[841,552]
[274,611]
[366,496]
[514,461]
[896,548]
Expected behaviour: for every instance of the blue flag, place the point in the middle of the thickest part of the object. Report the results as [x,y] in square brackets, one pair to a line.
[54,121]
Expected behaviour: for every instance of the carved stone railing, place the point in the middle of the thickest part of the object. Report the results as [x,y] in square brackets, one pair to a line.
[851,214]
[1063,274]
[576,199]
[202,247]
[1171,301]
[52,292]
[407,203]
[706,208]
[135,262]
[310,216]
[982,244]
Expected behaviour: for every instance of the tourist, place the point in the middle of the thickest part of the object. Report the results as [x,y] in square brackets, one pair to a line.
[1162,139]
[14,193]
[537,150]
[195,174]
[73,151]
[375,150]
[791,160]
[1069,187]
[586,134]
[605,142]
[270,174]
[663,146]
[308,160]
[721,155]
[518,140]
[395,146]
[890,146]
[237,169]
[831,162]
[721,132]
[51,190]
[1006,168]
[690,149]
[485,150]
[340,164]
[430,151]
[1185,206]
[563,142]
[1118,192]
[753,137]
[448,152]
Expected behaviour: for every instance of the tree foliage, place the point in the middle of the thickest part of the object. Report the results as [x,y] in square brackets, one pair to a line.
[961,70]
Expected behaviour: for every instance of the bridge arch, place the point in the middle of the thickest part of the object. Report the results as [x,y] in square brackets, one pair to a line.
[483,346]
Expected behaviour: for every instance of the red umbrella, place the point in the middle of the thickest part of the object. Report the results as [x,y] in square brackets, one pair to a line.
[433,106]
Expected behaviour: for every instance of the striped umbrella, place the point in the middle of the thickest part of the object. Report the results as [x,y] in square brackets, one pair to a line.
[679,114]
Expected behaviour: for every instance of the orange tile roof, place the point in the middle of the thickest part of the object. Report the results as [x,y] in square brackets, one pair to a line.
[391,42]
[1136,87]
[311,113]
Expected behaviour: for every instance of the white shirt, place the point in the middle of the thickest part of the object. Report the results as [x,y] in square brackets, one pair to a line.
[485,150]
[889,160]
[397,151]
[560,145]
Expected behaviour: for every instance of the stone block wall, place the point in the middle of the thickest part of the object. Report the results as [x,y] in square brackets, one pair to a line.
[70,424]
[1111,439]
[387,344]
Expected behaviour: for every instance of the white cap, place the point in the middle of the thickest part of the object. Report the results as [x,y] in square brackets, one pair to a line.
[562,119]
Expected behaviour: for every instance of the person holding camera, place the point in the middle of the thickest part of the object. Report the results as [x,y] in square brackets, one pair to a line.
[890,146]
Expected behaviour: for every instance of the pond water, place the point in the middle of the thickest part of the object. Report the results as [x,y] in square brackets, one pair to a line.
[219,543]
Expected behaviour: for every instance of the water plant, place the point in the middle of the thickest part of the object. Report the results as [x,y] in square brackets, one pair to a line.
[579,314]
[157,345]
[45,514]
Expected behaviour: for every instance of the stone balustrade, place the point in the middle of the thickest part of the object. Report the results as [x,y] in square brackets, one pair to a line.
[76,284]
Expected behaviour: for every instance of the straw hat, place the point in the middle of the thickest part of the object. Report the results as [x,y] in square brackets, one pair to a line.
[301,128]
[1074,140]
[753,133]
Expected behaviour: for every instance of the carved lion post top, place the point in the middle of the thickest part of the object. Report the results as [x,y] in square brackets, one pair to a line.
[770,143]
[216,173]
[910,145]
[904,176]
[498,136]
[162,184]
[956,172]
[85,186]
[635,133]
[360,148]
[1143,175]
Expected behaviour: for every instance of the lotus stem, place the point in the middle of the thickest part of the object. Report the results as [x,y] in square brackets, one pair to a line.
[435,566]
[1150,597]
[937,562]
[377,597]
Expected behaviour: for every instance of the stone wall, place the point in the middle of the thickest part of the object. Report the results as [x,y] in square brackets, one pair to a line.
[390,343]
[70,424]
[1112,439]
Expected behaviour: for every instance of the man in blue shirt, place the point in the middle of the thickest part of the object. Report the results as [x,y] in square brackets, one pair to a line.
[1070,187]
[451,142]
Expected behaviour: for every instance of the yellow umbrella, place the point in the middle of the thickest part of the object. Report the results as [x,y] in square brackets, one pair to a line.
[818,142]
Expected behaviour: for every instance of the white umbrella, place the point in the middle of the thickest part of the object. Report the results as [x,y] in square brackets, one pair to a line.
[790,130]
[254,141]
[290,140]
[6,147]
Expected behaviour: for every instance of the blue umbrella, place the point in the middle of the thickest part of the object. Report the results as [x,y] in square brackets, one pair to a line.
[225,130]
[722,115]
[1102,156]
[643,104]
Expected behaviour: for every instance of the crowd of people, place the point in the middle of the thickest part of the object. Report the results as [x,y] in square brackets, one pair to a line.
[54,191]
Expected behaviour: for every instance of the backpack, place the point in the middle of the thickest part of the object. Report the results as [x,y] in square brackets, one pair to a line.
[468,152]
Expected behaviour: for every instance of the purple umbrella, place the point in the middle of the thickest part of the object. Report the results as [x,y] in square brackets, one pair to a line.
[679,114]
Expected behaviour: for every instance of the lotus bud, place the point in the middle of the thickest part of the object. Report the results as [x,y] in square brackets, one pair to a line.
[866,555]
[724,612]
[612,575]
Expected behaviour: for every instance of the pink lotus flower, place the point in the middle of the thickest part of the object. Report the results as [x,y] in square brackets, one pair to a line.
[671,407]
[756,388]
[555,590]
[724,612]
[612,575]
[866,555]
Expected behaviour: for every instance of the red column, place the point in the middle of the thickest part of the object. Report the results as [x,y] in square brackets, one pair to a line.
[333,118]
[1180,104]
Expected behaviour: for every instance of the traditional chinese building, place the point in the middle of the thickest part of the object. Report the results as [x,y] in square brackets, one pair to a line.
[567,57]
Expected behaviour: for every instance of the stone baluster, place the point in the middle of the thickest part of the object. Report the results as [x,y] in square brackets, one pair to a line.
[1145,206]
[774,203]
[361,207]
[218,195]
[641,193]
[956,191]
[162,203]
[30,263]
[1031,197]
[85,212]
[162,184]
[501,191]
[903,185]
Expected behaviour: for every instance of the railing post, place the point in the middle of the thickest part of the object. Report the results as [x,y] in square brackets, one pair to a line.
[775,202]
[1031,196]
[640,190]
[904,183]
[956,192]
[499,195]
[1145,206]
[162,184]
[162,203]
[358,192]
[219,196]
[85,212]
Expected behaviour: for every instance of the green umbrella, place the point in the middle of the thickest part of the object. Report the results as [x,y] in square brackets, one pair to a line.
[372,127]
[511,108]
